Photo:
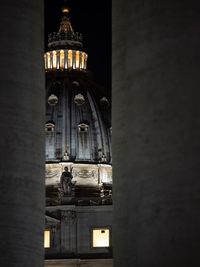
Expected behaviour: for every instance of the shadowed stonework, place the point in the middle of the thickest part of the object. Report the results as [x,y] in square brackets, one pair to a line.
[156,133]
[22,133]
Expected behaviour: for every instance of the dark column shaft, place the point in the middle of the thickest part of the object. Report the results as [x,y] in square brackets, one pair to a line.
[21,138]
[156,133]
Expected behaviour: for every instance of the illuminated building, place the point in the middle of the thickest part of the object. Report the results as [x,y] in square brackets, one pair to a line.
[78,136]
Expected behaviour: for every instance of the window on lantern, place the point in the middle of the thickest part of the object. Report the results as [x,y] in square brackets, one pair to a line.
[54,59]
[69,58]
[45,62]
[62,59]
[85,60]
[81,60]
[48,60]
[47,239]
[77,59]
[100,237]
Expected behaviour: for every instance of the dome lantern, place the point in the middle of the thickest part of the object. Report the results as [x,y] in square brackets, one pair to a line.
[65,47]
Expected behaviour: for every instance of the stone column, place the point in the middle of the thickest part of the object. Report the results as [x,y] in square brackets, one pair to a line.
[22,133]
[68,232]
[156,133]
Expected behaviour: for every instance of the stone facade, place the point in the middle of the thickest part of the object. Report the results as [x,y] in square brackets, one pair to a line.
[156,133]
[71,233]
[78,161]
[79,263]
[22,133]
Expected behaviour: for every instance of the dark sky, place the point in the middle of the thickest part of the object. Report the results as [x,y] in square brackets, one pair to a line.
[93,19]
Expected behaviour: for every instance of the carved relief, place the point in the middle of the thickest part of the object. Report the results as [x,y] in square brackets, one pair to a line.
[84,173]
[52,174]
[52,171]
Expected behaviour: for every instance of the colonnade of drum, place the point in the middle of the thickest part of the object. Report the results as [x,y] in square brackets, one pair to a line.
[65,59]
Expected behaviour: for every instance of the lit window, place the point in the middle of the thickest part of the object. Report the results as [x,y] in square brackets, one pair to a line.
[47,239]
[77,59]
[69,58]
[81,60]
[100,238]
[48,60]
[54,59]
[62,59]
[45,62]
[84,60]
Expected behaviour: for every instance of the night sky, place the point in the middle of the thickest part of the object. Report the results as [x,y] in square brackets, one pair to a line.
[93,20]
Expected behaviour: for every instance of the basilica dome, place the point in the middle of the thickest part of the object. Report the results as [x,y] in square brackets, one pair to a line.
[78,117]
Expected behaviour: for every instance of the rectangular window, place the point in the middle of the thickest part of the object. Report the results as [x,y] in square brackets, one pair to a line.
[77,60]
[69,58]
[100,237]
[47,239]
[62,59]
[48,61]
[54,59]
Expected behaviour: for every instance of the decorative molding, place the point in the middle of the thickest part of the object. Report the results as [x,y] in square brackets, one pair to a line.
[84,173]
[52,171]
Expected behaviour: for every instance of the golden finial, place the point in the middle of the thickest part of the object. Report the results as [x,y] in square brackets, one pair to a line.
[65,25]
[65,8]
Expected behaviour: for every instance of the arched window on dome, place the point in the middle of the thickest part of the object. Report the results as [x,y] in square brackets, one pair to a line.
[84,142]
[50,140]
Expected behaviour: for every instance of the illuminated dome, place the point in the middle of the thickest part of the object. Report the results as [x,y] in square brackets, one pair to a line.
[78,120]
[71,107]
[78,169]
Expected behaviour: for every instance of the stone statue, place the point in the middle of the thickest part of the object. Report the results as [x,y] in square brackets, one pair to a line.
[66,182]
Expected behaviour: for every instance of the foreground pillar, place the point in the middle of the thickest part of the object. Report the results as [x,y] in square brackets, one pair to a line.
[156,133]
[21,127]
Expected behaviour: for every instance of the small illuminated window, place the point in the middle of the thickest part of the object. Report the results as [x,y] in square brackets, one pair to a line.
[45,62]
[54,59]
[81,60]
[48,60]
[62,59]
[85,60]
[77,59]
[100,238]
[47,239]
[69,58]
